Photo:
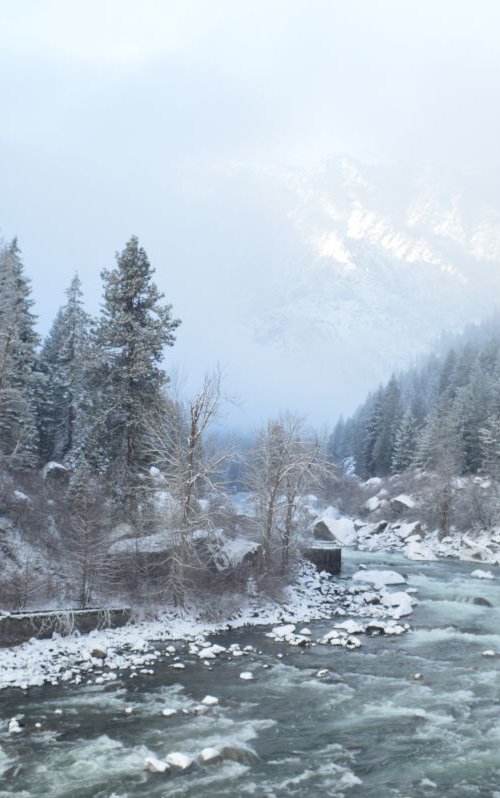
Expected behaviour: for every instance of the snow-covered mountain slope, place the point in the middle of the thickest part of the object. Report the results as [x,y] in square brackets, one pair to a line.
[389,258]
[341,274]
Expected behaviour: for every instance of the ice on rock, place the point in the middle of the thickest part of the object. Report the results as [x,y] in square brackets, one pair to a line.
[247,676]
[155,765]
[379,578]
[179,666]
[210,701]
[305,632]
[179,761]
[322,673]
[168,712]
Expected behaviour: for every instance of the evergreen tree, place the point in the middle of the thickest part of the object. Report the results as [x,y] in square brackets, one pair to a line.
[19,374]
[65,357]
[133,331]
[489,440]
[404,443]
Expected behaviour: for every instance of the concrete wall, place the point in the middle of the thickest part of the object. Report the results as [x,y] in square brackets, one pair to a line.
[18,627]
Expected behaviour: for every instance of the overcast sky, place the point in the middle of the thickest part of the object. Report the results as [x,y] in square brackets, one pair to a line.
[115,114]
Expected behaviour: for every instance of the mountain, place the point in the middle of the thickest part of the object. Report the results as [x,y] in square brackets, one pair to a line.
[341,274]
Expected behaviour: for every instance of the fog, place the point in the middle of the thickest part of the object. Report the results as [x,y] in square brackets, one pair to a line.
[205,127]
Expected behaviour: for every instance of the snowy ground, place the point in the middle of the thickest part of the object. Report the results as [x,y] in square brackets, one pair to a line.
[376,602]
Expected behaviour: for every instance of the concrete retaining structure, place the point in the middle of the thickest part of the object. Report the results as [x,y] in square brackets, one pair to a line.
[21,626]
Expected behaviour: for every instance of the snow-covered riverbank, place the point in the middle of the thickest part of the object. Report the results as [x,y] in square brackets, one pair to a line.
[376,599]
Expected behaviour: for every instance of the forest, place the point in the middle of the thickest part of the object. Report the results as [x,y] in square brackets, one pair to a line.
[112,485]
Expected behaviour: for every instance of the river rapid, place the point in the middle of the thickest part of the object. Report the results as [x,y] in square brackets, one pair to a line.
[409,716]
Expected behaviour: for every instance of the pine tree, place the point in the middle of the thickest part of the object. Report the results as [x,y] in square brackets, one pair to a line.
[19,374]
[404,443]
[65,356]
[133,331]
[489,438]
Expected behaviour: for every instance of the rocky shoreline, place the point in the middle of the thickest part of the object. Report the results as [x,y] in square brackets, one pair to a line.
[377,599]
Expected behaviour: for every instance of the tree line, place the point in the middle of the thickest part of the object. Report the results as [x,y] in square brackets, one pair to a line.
[444,413]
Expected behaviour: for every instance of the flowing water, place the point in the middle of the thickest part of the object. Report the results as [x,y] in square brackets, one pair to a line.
[410,717]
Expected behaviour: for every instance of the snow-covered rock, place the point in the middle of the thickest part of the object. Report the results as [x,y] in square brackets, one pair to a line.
[168,712]
[283,631]
[210,756]
[351,627]
[479,574]
[155,765]
[247,676]
[372,504]
[329,526]
[399,604]
[405,531]
[14,726]
[416,550]
[179,761]
[402,503]
[379,578]
[210,701]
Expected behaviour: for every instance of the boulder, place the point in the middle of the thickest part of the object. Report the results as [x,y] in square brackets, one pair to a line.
[416,550]
[481,602]
[244,756]
[402,503]
[329,526]
[372,504]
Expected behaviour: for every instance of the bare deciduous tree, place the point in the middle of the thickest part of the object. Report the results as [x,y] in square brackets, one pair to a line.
[178,445]
[284,462]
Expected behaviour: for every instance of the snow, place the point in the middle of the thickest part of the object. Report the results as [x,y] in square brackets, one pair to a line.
[247,676]
[134,648]
[236,549]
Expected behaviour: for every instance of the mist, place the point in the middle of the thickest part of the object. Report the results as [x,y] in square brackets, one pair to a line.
[239,141]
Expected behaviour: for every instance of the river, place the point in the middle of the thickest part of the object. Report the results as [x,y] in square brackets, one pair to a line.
[410,717]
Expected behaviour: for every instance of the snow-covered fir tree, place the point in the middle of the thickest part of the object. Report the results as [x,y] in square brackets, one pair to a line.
[65,357]
[135,327]
[19,373]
